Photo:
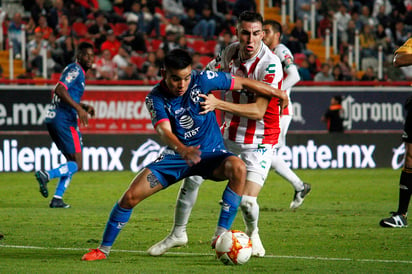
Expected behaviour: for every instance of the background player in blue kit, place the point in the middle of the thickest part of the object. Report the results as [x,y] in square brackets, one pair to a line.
[61,122]
[194,143]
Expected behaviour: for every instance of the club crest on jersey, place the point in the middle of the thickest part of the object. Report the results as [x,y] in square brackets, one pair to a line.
[71,75]
[150,108]
[194,95]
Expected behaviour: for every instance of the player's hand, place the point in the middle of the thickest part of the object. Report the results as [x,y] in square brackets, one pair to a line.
[83,117]
[89,109]
[191,155]
[209,104]
[283,103]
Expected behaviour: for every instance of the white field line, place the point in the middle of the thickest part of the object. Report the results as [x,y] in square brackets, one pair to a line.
[211,254]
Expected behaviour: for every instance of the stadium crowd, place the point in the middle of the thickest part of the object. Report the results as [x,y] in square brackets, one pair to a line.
[131,37]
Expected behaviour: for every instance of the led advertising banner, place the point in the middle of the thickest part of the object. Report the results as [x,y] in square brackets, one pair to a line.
[134,151]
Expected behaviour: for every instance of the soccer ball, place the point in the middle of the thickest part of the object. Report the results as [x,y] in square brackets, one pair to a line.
[233,247]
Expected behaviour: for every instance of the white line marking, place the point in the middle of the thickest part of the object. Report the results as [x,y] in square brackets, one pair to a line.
[212,254]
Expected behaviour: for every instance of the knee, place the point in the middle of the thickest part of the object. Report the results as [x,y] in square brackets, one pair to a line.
[247,203]
[128,200]
[239,169]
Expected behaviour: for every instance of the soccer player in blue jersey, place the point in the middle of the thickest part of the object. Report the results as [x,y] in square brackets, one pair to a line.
[194,143]
[62,125]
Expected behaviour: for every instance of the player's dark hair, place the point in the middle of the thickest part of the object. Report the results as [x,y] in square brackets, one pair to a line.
[177,59]
[249,16]
[276,26]
[338,98]
[83,46]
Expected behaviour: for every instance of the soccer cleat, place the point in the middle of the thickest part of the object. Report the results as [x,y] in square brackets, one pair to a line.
[43,178]
[396,220]
[300,196]
[257,247]
[58,203]
[167,243]
[94,255]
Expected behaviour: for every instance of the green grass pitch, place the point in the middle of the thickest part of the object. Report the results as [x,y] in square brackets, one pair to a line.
[335,231]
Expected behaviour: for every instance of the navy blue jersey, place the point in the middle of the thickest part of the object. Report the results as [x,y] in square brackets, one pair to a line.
[73,78]
[188,125]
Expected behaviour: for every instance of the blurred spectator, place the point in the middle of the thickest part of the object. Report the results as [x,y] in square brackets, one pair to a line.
[38,8]
[298,38]
[182,43]
[223,15]
[196,64]
[400,34]
[105,67]
[160,56]
[304,71]
[56,12]
[63,28]
[348,38]
[207,24]
[152,18]
[342,18]
[367,42]
[169,43]
[224,41]
[98,30]
[369,75]
[190,21]
[377,5]
[175,26]
[111,44]
[382,18]
[324,75]
[56,52]
[133,37]
[243,5]
[337,73]
[150,60]
[85,7]
[152,73]
[334,115]
[67,44]
[126,70]
[35,49]
[285,34]
[314,64]
[14,34]
[365,17]
[325,23]
[146,20]
[383,39]
[345,67]
[173,7]
[42,25]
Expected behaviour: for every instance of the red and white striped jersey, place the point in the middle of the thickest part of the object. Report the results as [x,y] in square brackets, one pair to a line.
[266,67]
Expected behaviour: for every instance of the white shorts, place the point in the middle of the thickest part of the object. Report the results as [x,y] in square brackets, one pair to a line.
[258,159]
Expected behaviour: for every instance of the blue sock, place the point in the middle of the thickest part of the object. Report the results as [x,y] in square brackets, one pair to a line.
[66,169]
[231,202]
[62,186]
[117,220]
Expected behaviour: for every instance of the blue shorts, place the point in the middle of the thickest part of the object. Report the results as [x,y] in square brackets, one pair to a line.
[171,168]
[67,138]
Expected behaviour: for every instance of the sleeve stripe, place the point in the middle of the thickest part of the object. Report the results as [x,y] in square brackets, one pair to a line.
[161,120]
[63,84]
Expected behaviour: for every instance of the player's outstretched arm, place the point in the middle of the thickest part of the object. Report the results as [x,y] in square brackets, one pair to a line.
[61,91]
[254,111]
[402,59]
[190,154]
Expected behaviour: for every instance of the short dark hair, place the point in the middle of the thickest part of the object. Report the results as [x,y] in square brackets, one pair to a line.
[83,46]
[276,26]
[177,59]
[338,98]
[250,16]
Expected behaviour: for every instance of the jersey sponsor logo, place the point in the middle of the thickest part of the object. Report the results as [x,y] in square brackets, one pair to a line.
[269,78]
[210,74]
[71,75]
[271,68]
[191,133]
[186,122]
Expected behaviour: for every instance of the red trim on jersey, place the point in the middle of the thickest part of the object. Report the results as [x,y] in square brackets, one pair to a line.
[253,66]
[63,84]
[234,123]
[76,140]
[286,110]
[161,120]
[232,84]
[251,128]
[271,135]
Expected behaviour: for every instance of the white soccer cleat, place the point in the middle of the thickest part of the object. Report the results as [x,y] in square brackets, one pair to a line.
[167,243]
[300,196]
[257,247]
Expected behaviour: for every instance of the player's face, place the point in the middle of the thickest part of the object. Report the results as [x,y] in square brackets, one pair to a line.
[250,35]
[86,58]
[178,80]
[271,38]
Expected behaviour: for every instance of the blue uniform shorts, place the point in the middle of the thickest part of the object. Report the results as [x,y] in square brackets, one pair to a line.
[171,168]
[67,138]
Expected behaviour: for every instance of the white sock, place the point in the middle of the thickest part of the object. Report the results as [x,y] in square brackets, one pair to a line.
[105,249]
[284,170]
[250,211]
[185,201]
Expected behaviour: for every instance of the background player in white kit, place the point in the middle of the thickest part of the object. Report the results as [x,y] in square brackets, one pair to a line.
[253,138]
[273,33]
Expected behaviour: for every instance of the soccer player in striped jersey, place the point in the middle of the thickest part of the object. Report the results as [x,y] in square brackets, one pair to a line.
[273,33]
[62,124]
